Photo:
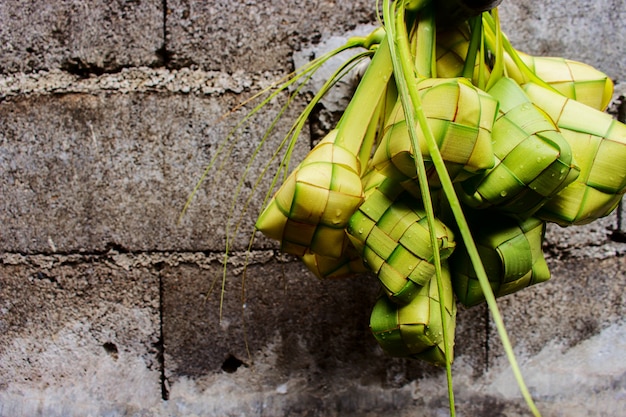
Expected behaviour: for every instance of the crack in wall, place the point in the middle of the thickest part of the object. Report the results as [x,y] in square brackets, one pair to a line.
[163,53]
[487,343]
[619,234]
[164,56]
[160,346]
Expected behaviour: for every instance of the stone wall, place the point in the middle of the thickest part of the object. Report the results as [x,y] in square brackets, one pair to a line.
[110,304]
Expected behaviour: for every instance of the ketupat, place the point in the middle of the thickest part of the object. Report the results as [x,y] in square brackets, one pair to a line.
[452,49]
[564,184]
[534,162]
[348,264]
[511,251]
[391,233]
[572,79]
[312,208]
[461,117]
[598,143]
[415,330]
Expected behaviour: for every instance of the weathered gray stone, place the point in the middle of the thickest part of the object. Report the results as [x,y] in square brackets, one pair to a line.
[86,172]
[545,312]
[291,334]
[593,32]
[77,337]
[133,80]
[600,239]
[81,37]
[256,36]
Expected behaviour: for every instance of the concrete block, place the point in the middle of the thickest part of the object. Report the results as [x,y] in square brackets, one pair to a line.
[590,32]
[77,337]
[600,239]
[254,36]
[321,324]
[80,37]
[87,172]
[544,312]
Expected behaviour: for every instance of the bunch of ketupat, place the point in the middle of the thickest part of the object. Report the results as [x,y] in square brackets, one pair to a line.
[524,140]
[439,178]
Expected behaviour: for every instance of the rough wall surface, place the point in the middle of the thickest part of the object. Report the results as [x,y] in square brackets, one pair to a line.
[109,305]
